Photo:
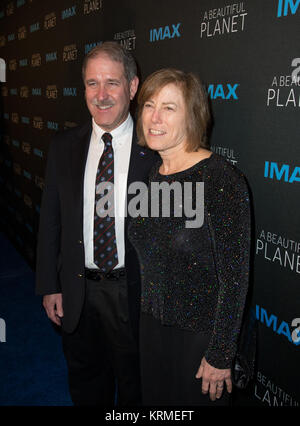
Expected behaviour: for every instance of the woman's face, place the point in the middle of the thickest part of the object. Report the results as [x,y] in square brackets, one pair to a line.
[164,119]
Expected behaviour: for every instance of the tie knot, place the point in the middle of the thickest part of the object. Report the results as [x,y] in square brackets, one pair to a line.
[107,138]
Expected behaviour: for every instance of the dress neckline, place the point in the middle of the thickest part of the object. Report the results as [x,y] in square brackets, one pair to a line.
[186,171]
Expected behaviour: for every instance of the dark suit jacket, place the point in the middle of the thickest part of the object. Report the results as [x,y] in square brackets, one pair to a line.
[60,252]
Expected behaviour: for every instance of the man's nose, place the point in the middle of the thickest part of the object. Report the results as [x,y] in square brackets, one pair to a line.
[102,93]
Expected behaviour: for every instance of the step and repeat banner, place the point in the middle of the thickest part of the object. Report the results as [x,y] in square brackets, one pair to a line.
[248,56]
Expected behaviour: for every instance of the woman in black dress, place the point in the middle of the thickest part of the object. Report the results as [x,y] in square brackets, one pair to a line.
[194,274]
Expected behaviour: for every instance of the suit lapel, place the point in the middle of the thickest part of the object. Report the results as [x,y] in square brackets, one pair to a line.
[134,171]
[141,161]
[79,152]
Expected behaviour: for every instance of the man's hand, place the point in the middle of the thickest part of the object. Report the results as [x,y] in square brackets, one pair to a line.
[53,306]
[213,379]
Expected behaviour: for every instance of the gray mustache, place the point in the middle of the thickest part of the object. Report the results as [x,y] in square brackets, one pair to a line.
[102,103]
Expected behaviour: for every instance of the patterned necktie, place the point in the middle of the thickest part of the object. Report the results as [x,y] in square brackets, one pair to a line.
[105,247]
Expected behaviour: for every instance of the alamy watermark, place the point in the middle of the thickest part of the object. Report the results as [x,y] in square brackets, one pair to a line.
[296,331]
[2,331]
[2,70]
[155,201]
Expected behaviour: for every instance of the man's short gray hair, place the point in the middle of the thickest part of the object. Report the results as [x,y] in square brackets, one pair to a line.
[116,52]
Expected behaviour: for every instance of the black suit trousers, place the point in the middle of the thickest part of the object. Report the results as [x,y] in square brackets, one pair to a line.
[102,354]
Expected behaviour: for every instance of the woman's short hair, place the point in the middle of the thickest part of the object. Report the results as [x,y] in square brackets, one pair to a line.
[196,103]
[116,52]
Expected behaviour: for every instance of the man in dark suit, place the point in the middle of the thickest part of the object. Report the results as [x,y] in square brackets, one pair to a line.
[87,270]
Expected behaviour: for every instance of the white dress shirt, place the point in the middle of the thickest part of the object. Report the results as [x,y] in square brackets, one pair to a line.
[121,142]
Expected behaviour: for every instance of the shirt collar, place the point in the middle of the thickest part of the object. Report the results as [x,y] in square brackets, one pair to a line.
[117,134]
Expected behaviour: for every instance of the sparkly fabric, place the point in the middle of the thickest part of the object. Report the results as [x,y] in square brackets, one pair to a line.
[197,278]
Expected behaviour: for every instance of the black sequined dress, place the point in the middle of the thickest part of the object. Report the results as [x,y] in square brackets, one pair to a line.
[197,278]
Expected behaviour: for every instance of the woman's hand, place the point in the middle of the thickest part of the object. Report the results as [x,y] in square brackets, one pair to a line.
[213,379]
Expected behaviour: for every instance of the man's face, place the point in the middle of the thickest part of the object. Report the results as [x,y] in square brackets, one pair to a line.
[107,91]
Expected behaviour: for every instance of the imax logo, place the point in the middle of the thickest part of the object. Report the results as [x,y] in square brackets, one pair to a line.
[285,5]
[36,91]
[89,46]
[224,92]
[283,173]
[52,125]
[70,91]
[23,62]
[38,152]
[34,27]
[27,174]
[162,33]
[279,327]
[52,56]
[68,13]
[25,120]
[11,37]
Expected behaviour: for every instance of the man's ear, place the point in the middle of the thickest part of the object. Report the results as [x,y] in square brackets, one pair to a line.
[133,86]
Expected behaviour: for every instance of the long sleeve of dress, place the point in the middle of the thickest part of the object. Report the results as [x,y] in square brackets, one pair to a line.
[228,215]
